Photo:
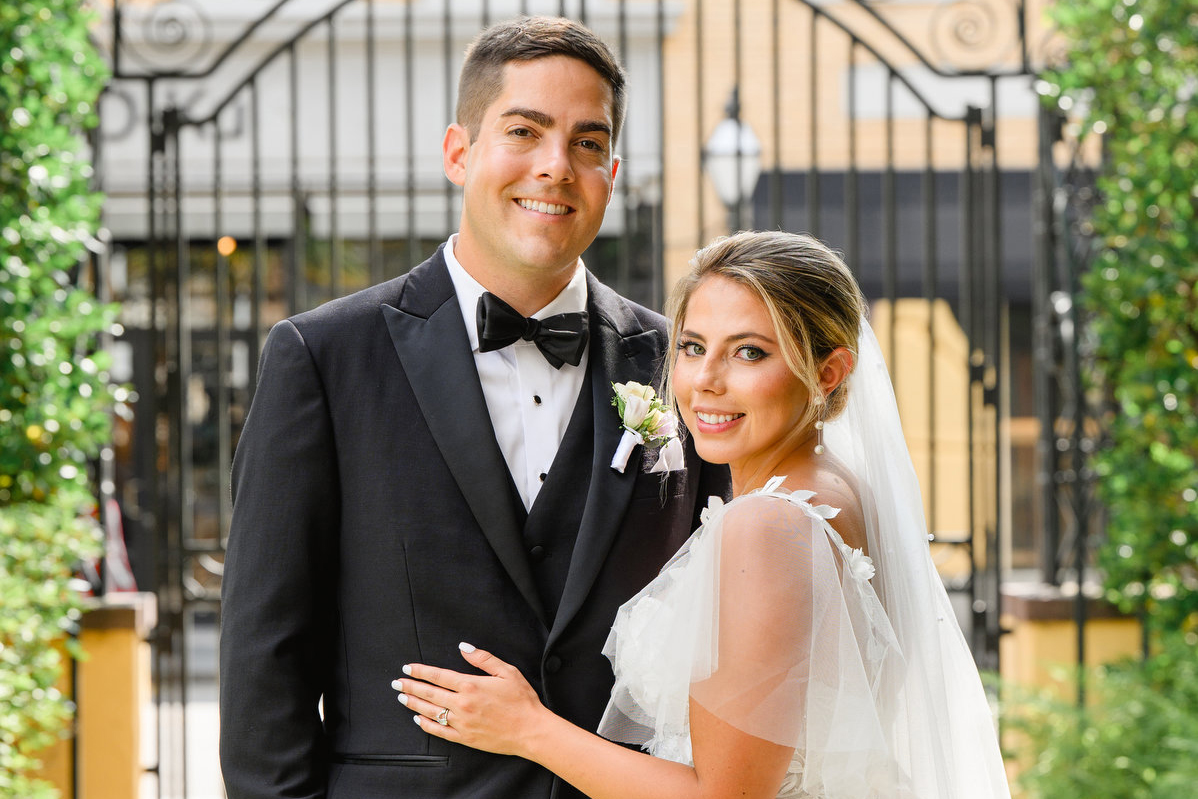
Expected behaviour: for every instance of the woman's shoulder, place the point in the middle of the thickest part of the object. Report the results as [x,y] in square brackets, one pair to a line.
[827,495]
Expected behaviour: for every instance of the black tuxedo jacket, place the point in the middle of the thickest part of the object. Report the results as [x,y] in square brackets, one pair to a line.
[375,524]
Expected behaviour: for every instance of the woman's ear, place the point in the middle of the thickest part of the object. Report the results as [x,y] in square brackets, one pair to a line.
[835,368]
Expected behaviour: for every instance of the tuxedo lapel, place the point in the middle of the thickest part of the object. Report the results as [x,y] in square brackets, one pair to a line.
[621,350]
[430,340]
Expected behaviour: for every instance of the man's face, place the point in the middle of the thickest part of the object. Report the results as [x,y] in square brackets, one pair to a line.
[538,177]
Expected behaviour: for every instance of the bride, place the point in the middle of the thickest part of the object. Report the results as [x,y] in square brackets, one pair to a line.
[800,644]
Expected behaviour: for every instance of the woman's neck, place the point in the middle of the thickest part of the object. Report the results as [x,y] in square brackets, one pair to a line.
[795,461]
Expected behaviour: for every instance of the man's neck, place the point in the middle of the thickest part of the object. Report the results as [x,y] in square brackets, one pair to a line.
[527,292]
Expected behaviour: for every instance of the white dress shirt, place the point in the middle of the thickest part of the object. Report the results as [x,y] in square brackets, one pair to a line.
[529,401]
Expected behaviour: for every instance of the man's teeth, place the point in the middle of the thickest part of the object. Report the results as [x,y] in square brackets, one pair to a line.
[718,418]
[545,208]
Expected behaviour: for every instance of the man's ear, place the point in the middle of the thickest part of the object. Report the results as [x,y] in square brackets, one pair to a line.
[615,167]
[454,150]
[835,368]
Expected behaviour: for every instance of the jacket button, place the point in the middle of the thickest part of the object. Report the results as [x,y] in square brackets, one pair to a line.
[536,554]
[553,664]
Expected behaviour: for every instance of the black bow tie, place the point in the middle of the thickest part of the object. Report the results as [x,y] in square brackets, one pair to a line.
[561,338]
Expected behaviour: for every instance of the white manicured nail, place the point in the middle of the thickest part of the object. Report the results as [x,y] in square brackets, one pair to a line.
[465,647]
[417,720]
[407,670]
[403,699]
[397,685]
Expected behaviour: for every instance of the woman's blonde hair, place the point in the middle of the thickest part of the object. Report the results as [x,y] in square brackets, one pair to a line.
[812,298]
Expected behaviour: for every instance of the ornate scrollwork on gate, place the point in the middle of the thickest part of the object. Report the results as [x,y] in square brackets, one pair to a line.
[167,37]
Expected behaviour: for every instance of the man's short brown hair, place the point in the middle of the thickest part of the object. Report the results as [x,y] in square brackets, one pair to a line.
[527,39]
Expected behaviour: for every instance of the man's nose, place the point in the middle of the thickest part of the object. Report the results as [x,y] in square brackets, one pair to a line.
[554,160]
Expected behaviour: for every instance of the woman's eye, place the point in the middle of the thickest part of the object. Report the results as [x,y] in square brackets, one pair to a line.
[751,353]
[691,348]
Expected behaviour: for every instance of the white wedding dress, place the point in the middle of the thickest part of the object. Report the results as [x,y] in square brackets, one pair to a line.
[769,621]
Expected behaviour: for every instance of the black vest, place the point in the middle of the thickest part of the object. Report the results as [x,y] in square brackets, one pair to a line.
[551,526]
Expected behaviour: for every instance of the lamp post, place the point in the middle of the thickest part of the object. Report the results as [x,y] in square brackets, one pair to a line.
[732,159]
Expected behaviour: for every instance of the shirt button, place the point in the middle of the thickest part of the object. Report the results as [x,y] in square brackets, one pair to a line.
[553,664]
[536,399]
[543,476]
[537,554]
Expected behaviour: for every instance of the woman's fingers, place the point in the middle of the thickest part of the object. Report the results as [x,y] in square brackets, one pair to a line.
[446,678]
[484,661]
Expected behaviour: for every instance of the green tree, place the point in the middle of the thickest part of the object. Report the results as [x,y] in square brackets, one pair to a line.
[1132,77]
[55,401]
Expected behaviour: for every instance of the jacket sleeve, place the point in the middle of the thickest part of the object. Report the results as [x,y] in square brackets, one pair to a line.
[278,591]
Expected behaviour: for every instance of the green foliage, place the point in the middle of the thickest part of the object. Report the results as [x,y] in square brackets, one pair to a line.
[55,402]
[1137,738]
[1130,77]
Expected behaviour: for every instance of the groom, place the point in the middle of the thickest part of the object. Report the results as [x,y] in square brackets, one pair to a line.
[415,473]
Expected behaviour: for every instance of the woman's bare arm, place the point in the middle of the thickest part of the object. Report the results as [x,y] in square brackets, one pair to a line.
[501,713]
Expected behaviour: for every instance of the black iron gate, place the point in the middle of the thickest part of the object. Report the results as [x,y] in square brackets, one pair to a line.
[263,157]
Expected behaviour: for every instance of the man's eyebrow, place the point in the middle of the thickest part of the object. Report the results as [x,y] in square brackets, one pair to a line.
[532,115]
[546,121]
[593,126]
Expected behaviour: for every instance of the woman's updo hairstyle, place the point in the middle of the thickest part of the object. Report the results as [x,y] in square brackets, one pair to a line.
[813,301]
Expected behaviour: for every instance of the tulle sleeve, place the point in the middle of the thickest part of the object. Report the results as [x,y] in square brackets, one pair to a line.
[766,620]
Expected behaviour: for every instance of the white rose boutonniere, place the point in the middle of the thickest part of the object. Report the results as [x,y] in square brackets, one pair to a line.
[645,421]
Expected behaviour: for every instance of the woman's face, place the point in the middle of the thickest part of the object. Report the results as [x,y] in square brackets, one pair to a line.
[737,396]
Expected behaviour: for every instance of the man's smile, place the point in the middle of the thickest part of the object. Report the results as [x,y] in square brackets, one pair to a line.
[545,208]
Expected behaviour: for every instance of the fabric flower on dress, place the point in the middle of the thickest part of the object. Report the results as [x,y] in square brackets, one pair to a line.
[714,505]
[858,563]
[645,421]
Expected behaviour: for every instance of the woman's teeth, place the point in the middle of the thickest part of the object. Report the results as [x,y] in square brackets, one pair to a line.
[718,418]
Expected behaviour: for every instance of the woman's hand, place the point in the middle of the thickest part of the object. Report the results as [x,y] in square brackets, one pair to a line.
[497,713]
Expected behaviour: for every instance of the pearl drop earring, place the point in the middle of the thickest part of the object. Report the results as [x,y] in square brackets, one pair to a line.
[819,442]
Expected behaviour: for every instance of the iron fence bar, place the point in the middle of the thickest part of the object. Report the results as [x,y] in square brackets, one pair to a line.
[890,231]
[738,162]
[257,287]
[374,246]
[447,55]
[929,294]
[775,190]
[159,407]
[184,456]
[813,129]
[224,444]
[966,294]
[1044,353]
[624,244]
[700,195]
[999,330]
[657,290]
[335,265]
[851,202]
[409,63]
[296,295]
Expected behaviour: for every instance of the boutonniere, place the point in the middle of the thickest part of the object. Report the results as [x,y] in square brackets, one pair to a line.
[645,421]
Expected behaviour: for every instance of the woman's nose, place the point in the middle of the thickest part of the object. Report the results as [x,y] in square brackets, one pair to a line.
[710,376]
